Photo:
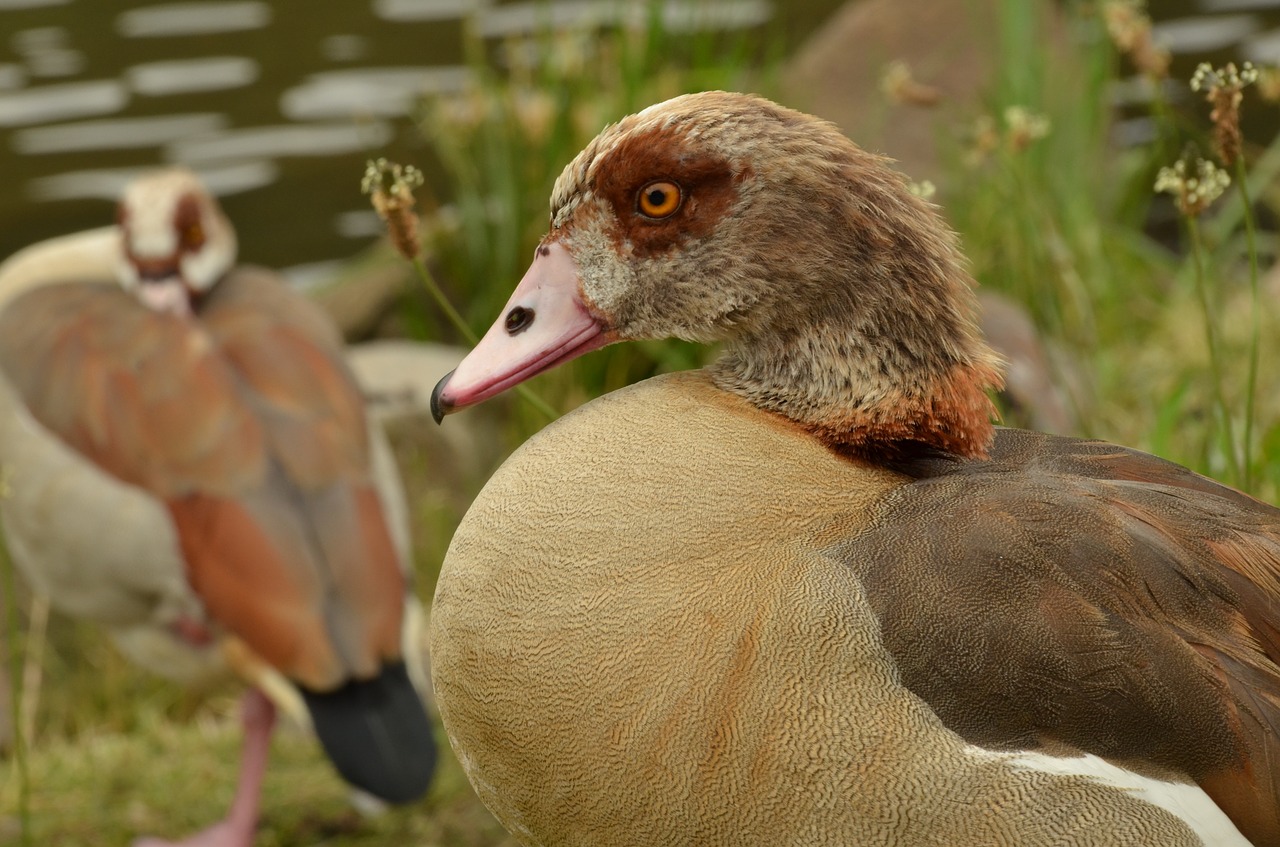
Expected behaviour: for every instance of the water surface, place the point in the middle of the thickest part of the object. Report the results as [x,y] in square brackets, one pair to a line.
[278,104]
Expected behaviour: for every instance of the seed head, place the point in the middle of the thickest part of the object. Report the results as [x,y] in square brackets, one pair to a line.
[1024,127]
[924,189]
[1224,89]
[984,139]
[390,189]
[1193,191]
[898,84]
[1130,30]
[535,113]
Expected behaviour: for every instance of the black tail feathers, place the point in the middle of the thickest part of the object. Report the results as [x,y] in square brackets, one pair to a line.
[377,734]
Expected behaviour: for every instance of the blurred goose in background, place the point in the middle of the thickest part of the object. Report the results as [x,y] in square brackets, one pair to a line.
[809,594]
[191,465]
[1043,389]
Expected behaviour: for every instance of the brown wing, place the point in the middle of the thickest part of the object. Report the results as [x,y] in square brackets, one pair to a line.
[1081,594]
[249,427]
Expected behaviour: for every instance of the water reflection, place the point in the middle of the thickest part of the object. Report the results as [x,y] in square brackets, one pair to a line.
[1236,5]
[1202,35]
[312,274]
[61,102]
[45,52]
[425,10]
[114,134]
[12,76]
[108,183]
[1264,48]
[181,97]
[387,92]
[523,18]
[183,76]
[344,48]
[7,5]
[677,16]
[275,141]
[359,223]
[197,18]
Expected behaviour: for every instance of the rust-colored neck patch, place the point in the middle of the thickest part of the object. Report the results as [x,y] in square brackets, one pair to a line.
[955,417]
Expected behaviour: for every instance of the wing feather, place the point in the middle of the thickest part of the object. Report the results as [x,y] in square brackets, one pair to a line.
[1076,593]
[249,426]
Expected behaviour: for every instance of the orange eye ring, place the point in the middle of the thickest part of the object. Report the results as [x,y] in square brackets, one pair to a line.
[659,199]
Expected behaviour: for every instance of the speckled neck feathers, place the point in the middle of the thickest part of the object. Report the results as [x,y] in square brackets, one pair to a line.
[842,298]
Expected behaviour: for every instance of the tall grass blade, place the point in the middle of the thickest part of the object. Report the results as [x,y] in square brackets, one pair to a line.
[15,667]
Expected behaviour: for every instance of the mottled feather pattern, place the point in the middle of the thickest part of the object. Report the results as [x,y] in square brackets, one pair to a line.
[702,658]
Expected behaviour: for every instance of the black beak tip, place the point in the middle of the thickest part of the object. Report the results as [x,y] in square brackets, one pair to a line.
[438,408]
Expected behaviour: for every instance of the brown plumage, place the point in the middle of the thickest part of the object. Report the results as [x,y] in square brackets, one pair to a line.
[1154,592]
[204,419]
[810,594]
[235,423]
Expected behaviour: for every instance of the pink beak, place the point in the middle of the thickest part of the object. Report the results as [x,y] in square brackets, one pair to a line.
[170,296]
[543,324]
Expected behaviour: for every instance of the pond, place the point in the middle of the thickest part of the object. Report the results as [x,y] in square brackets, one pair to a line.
[279,104]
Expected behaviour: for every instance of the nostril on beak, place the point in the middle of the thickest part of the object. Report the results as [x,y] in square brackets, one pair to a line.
[518,320]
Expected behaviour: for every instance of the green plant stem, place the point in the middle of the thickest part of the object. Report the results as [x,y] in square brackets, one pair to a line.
[1255,325]
[1211,339]
[15,686]
[429,282]
[1265,172]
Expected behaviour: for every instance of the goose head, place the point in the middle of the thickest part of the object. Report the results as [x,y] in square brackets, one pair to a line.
[176,241]
[841,298]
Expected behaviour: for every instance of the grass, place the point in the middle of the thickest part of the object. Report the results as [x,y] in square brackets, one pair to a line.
[1063,224]
[173,778]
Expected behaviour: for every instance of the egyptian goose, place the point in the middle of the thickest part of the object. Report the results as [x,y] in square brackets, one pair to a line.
[809,594]
[189,463]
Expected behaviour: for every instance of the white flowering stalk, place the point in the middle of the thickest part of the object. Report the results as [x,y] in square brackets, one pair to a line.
[390,189]
[1224,89]
[1193,192]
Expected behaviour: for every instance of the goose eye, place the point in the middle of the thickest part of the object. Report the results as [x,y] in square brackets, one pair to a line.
[193,236]
[659,199]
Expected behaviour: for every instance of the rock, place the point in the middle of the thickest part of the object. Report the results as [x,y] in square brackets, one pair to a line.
[1041,390]
[360,299]
[950,48]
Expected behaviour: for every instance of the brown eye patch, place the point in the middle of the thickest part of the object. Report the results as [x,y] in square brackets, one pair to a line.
[186,220]
[694,181]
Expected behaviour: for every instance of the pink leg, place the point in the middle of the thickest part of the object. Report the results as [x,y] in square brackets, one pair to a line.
[258,717]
